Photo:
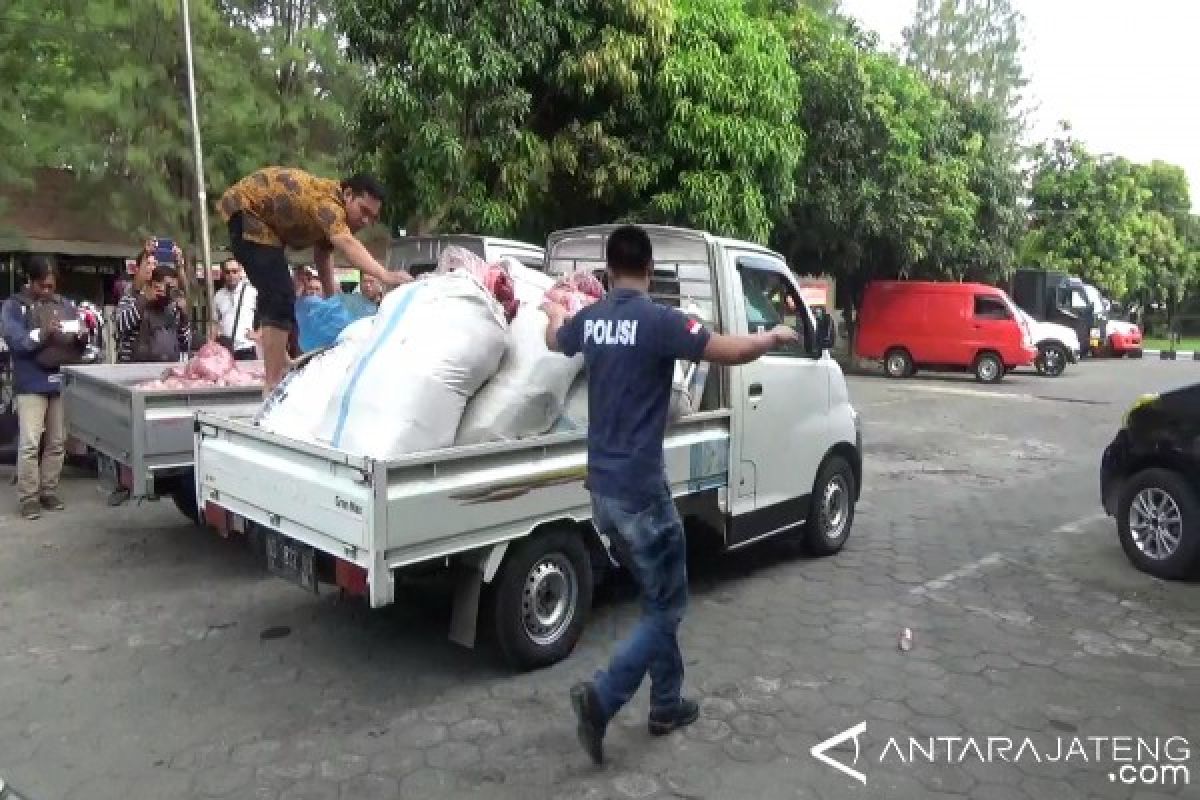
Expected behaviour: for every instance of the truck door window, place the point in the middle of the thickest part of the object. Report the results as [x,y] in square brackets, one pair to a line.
[771,300]
[990,308]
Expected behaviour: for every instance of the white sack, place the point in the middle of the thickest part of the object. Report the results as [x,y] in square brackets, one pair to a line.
[298,402]
[687,391]
[435,341]
[526,395]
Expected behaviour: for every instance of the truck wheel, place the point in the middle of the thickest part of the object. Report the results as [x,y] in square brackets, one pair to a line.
[1158,522]
[989,368]
[183,492]
[897,363]
[832,511]
[1051,360]
[541,598]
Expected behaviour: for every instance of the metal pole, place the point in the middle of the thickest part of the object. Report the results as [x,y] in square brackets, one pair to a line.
[201,194]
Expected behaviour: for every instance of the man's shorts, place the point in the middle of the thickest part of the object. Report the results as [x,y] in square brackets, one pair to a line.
[268,272]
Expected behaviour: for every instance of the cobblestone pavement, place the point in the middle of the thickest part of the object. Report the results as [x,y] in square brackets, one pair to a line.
[141,658]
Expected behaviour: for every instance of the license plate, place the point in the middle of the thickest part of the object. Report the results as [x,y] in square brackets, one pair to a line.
[292,561]
[107,469]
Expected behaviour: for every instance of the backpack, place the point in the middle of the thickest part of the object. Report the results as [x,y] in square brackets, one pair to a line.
[56,351]
[157,337]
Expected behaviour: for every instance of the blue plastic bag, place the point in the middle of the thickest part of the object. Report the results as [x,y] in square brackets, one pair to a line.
[319,320]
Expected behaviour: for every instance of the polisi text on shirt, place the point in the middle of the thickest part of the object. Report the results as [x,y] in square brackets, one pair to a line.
[611,331]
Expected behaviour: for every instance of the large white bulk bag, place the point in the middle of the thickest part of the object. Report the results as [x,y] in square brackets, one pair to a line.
[687,391]
[298,402]
[434,342]
[526,395]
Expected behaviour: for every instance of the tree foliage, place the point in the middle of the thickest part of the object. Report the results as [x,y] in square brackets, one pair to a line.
[100,88]
[1125,227]
[523,116]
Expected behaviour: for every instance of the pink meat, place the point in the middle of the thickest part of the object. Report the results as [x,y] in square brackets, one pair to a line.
[210,363]
[237,377]
[495,276]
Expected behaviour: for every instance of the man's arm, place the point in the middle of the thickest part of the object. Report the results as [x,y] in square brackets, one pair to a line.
[16,333]
[128,317]
[361,258]
[323,259]
[557,317]
[734,350]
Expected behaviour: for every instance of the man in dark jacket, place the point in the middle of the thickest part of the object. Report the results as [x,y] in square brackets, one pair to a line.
[42,331]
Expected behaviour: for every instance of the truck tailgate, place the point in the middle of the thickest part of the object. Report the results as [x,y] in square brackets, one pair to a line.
[315,495]
[146,430]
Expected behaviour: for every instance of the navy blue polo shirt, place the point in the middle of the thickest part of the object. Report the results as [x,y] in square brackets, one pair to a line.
[630,345]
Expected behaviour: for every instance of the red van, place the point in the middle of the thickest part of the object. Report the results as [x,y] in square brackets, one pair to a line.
[950,326]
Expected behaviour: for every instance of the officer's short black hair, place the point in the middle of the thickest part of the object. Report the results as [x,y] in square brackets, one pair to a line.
[629,251]
[362,183]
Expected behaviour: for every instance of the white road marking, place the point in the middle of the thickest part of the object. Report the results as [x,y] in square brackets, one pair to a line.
[1079,525]
[963,392]
[943,581]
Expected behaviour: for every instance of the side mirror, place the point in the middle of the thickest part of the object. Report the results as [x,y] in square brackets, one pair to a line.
[826,332]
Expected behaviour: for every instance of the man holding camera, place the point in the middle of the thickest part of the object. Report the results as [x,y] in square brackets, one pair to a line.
[151,325]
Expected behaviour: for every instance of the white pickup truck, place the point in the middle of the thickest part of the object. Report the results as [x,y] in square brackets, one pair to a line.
[771,448]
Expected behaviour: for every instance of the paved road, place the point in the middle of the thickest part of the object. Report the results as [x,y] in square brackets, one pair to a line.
[142,658]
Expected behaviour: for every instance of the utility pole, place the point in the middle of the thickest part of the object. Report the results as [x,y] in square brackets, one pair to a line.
[198,154]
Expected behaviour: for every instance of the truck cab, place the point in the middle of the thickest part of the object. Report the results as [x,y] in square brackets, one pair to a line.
[1050,296]
[418,254]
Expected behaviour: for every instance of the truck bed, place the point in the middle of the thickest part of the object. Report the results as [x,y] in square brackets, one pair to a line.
[148,431]
[381,515]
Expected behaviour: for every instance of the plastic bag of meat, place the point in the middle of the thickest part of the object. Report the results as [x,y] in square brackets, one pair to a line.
[494,277]
[210,363]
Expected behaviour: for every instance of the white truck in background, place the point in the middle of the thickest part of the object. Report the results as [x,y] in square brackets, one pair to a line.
[771,448]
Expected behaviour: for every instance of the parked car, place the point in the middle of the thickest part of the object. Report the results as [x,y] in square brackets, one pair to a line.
[1057,345]
[1122,337]
[1150,481]
[910,325]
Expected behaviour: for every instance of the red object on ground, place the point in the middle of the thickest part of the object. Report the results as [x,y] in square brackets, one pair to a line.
[941,324]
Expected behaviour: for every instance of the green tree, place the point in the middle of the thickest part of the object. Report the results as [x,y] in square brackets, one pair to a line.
[887,186]
[522,119]
[107,97]
[972,47]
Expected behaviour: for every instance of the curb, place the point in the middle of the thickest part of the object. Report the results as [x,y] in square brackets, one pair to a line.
[1172,355]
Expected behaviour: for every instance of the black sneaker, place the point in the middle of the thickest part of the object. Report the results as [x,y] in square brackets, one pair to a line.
[50,502]
[664,721]
[31,509]
[591,725]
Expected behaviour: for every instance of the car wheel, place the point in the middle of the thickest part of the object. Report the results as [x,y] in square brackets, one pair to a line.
[1052,360]
[897,363]
[832,511]
[989,368]
[1158,521]
[541,598]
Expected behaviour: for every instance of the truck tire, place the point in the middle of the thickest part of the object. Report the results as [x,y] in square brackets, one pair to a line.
[989,368]
[897,363]
[1160,500]
[183,492]
[541,598]
[832,511]
[1051,359]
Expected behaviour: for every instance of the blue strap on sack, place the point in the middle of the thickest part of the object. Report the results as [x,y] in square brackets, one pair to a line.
[389,328]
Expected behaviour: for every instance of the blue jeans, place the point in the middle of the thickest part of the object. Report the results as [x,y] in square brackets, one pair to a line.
[650,543]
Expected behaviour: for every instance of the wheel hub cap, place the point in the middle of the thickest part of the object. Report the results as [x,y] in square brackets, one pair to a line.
[548,599]
[1155,523]
[835,507]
